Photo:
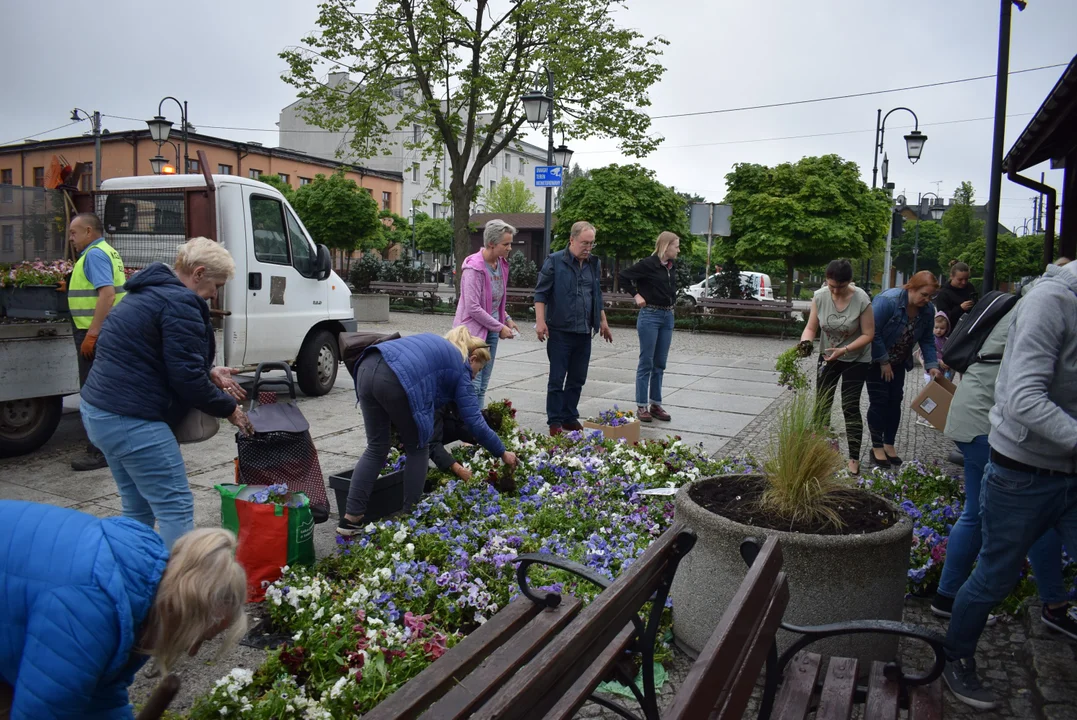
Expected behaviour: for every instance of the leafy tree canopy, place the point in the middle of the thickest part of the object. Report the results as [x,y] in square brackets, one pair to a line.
[337,212]
[628,208]
[960,226]
[804,213]
[510,196]
[931,234]
[433,234]
[458,70]
[277,182]
[1015,258]
[394,230]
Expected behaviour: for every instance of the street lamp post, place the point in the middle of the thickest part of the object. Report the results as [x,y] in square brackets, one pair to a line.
[538,107]
[914,146]
[95,120]
[936,211]
[160,128]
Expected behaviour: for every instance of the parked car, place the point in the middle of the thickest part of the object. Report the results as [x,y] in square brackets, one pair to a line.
[756,286]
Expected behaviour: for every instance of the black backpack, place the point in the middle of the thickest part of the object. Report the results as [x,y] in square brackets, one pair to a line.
[962,348]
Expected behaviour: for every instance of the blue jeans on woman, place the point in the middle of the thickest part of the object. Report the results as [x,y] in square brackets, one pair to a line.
[147,465]
[655,329]
[884,404]
[966,538]
[482,380]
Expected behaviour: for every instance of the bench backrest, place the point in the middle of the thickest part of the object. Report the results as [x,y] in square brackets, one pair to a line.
[781,306]
[555,669]
[723,677]
[415,287]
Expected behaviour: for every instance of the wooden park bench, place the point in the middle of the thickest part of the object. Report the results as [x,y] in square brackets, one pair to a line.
[775,311]
[426,292]
[543,656]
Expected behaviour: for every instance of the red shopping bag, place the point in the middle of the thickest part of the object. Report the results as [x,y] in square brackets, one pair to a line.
[263,545]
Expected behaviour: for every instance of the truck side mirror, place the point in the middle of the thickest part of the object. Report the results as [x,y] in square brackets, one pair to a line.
[325,263]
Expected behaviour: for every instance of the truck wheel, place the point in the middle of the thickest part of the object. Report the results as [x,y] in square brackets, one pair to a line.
[316,366]
[26,425]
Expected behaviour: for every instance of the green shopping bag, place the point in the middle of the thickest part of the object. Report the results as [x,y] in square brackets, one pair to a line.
[271,535]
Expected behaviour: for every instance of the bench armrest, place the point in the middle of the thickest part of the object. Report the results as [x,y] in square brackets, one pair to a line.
[553,599]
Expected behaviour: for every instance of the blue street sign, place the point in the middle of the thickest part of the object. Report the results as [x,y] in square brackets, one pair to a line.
[548,175]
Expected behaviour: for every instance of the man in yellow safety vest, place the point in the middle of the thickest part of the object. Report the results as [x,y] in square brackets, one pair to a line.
[96,285]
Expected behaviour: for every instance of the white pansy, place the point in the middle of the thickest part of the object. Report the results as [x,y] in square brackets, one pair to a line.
[337,619]
[338,687]
[400,535]
[298,636]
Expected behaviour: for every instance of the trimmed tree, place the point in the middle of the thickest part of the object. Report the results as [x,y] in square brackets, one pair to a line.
[805,213]
[457,72]
[628,208]
[960,226]
[338,213]
[433,234]
[510,196]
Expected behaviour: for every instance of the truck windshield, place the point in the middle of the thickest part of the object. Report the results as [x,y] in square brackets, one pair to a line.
[144,227]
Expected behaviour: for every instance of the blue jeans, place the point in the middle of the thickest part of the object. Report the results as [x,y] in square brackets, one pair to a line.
[966,538]
[1016,508]
[147,465]
[655,329]
[570,355]
[482,380]
[884,404]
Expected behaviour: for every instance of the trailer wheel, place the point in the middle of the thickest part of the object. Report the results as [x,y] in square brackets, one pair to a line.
[316,366]
[26,425]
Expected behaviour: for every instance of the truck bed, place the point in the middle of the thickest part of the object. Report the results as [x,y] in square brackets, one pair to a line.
[37,359]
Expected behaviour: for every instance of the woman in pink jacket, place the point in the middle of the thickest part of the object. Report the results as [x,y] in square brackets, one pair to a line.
[481,308]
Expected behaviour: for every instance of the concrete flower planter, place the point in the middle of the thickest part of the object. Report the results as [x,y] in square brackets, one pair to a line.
[371,308]
[832,578]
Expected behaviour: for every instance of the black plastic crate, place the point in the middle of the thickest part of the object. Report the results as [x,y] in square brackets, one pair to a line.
[36,302]
[386,498]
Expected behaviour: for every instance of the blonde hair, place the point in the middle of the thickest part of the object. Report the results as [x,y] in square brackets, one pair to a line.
[663,241]
[469,345]
[203,252]
[202,586]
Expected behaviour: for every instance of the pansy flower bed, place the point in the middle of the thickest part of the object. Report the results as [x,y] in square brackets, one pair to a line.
[396,597]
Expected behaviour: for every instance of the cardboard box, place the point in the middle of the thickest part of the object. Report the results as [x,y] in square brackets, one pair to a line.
[629,432]
[933,402]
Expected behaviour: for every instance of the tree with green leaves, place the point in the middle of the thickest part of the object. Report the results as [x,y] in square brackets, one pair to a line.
[567,178]
[394,231]
[960,226]
[458,71]
[931,234]
[276,181]
[1015,257]
[805,213]
[510,196]
[337,213]
[628,208]
[433,234]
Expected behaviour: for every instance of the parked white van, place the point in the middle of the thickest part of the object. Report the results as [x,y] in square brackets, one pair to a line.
[756,285]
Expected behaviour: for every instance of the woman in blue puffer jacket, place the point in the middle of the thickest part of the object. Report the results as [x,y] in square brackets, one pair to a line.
[154,362]
[401,383]
[86,601]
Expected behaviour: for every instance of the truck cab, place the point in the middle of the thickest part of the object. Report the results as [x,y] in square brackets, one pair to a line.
[285,302]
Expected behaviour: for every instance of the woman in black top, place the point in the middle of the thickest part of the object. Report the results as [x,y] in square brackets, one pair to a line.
[956,296]
[653,281]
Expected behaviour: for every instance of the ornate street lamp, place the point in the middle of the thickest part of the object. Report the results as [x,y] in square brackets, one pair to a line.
[160,128]
[562,156]
[157,163]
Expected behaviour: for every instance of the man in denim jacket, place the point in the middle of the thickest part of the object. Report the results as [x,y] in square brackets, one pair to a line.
[1030,484]
[568,311]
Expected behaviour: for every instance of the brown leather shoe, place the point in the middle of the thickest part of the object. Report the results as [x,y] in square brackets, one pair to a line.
[658,413]
[555,430]
[573,425]
[643,414]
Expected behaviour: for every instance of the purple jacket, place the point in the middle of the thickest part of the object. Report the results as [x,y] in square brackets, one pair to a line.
[475,308]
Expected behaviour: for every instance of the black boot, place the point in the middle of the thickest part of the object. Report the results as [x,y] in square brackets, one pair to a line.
[93,459]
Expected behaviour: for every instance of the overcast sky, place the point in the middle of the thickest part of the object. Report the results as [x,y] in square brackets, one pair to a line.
[122,56]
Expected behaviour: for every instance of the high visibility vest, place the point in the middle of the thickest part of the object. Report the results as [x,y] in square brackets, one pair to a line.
[82,295]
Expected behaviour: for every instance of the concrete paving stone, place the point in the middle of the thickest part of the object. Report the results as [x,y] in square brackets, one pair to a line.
[687,368]
[710,422]
[624,362]
[80,487]
[350,442]
[507,370]
[737,387]
[1065,711]
[692,398]
[755,364]
[11,491]
[751,374]
[100,511]
[525,400]
[596,385]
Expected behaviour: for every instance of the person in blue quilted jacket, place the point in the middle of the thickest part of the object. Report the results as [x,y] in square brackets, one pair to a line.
[402,383]
[87,601]
[154,363]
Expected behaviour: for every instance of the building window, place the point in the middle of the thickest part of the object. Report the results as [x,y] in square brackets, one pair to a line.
[285,178]
[416,134]
[86,179]
[194,166]
[493,184]
[386,200]
[224,169]
[7,238]
[303,181]
[523,163]
[39,177]
[508,161]
[369,191]
[437,210]
[254,174]
[415,172]
[6,193]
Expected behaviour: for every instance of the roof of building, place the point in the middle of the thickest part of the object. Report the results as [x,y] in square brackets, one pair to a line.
[246,147]
[520,221]
[1052,132]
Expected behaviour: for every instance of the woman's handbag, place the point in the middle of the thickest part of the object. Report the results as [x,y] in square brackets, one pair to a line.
[195,427]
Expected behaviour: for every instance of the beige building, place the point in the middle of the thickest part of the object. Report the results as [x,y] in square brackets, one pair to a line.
[125,154]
